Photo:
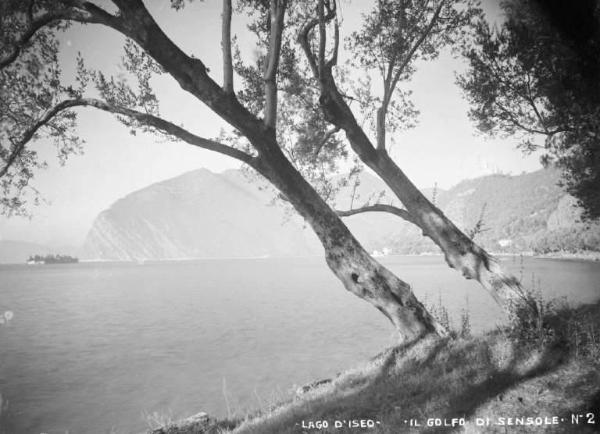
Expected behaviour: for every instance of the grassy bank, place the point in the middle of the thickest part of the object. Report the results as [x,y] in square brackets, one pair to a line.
[542,376]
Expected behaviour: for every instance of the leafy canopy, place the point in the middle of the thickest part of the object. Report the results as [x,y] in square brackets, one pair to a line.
[37,102]
[538,76]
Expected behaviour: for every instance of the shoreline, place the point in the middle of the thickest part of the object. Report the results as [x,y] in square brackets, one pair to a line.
[592,256]
[567,256]
[580,256]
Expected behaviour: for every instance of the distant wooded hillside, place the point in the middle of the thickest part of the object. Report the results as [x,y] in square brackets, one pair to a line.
[203,214]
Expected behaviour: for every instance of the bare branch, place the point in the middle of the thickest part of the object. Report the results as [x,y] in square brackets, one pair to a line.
[379,207]
[277,11]
[322,36]
[226,47]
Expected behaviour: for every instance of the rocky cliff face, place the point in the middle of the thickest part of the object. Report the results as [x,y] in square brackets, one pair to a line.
[197,215]
[202,214]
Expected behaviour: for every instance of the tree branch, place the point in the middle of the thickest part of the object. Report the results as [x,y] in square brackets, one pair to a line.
[512,118]
[390,82]
[531,100]
[380,127]
[379,207]
[322,35]
[136,22]
[226,47]
[277,12]
[336,44]
[335,109]
[76,10]
[325,139]
[303,41]
[32,29]
[171,129]
[19,146]
[144,118]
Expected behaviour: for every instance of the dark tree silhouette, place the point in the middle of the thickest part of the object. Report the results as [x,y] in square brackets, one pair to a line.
[537,77]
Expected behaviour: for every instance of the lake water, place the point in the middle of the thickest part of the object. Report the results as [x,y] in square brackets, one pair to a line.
[94,347]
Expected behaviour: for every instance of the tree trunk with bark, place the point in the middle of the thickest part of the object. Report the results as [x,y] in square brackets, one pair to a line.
[354,267]
[460,251]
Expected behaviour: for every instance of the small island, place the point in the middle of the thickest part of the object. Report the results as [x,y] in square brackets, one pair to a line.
[52,259]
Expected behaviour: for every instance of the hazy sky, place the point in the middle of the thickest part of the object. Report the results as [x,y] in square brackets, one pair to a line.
[443,148]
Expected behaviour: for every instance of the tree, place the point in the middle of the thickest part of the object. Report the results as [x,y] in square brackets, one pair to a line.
[394,36]
[35,102]
[538,77]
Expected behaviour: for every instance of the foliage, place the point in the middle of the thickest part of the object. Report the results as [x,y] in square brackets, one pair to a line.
[394,36]
[538,76]
[29,88]
[441,314]
[315,149]
[479,226]
[37,102]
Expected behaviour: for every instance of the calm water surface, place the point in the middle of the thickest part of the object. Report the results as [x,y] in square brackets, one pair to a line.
[93,347]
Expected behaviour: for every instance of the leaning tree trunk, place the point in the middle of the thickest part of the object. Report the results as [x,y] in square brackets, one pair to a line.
[358,271]
[459,250]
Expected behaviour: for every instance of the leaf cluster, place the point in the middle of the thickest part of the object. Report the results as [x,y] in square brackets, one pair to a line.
[30,85]
[394,37]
